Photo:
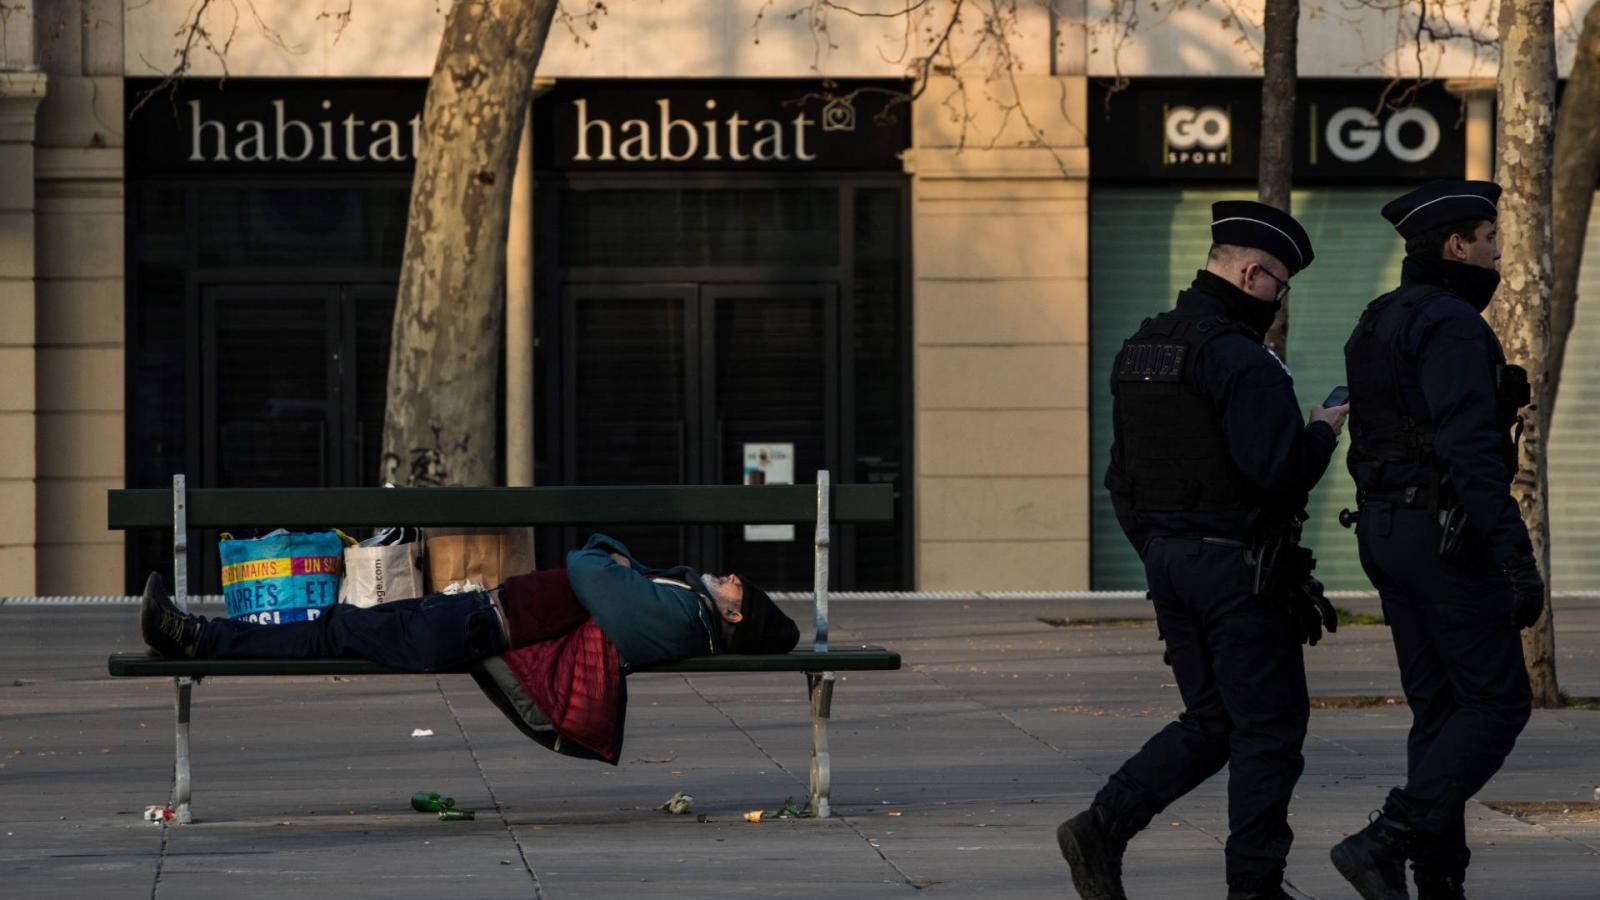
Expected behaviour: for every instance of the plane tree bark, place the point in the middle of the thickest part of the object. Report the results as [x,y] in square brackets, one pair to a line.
[440,418]
[1520,313]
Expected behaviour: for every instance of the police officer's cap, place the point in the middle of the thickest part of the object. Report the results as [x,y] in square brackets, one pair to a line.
[1246,223]
[1442,203]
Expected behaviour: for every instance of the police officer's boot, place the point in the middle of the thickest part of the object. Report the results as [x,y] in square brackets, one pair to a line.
[1093,849]
[1373,859]
[1434,885]
[166,629]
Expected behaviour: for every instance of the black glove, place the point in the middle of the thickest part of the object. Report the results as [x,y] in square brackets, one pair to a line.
[1527,590]
[1313,612]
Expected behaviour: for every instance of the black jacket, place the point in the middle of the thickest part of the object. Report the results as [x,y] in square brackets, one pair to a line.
[1268,438]
[1456,357]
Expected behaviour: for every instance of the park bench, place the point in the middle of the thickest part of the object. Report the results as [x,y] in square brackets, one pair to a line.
[216,508]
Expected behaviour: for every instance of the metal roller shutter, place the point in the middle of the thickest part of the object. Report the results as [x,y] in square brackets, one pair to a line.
[1574,435]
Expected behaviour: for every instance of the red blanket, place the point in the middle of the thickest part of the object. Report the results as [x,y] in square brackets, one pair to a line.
[562,662]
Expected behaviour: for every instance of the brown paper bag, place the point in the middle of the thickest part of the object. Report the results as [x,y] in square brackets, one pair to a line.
[487,556]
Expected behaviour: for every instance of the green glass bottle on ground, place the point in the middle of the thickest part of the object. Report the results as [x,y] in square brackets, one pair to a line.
[431,801]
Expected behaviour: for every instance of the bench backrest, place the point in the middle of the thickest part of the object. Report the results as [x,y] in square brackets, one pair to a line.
[440,506]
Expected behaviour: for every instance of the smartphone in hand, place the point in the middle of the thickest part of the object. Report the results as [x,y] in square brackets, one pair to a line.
[1339,397]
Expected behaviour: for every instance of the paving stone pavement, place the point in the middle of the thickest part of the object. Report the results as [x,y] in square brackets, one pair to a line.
[999,727]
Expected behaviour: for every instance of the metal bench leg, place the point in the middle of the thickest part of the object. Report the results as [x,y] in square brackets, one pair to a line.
[180,781]
[821,689]
[180,597]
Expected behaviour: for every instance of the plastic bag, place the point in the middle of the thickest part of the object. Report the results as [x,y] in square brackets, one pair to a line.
[285,576]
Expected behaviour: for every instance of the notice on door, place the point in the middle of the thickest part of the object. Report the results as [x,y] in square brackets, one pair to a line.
[769,464]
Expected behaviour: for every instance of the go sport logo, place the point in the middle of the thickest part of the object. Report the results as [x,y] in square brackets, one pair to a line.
[1203,135]
[1196,135]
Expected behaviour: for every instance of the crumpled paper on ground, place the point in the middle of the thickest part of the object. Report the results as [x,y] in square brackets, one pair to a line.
[157,815]
[681,804]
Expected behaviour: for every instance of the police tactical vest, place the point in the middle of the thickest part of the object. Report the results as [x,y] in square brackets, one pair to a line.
[1389,420]
[1392,424]
[1174,449]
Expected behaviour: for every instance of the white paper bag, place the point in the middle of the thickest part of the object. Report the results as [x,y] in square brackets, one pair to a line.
[374,575]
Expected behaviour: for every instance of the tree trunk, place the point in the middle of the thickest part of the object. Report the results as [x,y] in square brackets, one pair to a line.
[1520,313]
[1280,55]
[1577,171]
[439,425]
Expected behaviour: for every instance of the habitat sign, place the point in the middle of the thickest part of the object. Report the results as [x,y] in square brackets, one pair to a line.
[276,124]
[632,125]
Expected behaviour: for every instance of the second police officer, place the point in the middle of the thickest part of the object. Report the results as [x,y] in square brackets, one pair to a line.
[1211,462]
[1441,538]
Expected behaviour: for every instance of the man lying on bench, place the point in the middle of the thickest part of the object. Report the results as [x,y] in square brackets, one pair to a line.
[550,648]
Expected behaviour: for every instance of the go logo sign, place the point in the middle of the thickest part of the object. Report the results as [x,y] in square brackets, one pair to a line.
[1197,135]
[1207,128]
[1354,135]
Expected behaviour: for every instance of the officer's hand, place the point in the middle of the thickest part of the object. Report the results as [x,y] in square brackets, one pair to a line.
[1314,612]
[1333,415]
[621,560]
[1527,591]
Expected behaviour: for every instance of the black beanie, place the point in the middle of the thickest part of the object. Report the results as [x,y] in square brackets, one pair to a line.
[764,627]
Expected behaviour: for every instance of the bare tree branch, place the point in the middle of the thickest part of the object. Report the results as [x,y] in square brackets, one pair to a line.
[343,17]
[972,43]
[196,36]
[579,24]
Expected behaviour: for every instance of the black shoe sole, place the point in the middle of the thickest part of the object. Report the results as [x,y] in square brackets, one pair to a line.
[1088,886]
[1363,876]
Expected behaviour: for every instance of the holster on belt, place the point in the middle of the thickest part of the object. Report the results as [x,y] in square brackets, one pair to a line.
[1281,564]
[1441,502]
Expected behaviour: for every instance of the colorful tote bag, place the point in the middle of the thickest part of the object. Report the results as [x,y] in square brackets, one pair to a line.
[285,576]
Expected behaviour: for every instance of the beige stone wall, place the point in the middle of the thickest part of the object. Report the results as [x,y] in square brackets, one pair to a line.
[20,93]
[1001,316]
[80,300]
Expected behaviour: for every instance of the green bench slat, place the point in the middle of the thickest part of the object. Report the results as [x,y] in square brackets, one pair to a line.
[627,505]
[856,659]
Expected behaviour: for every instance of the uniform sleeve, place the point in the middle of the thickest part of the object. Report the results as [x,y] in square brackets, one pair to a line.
[1116,482]
[1457,368]
[1268,438]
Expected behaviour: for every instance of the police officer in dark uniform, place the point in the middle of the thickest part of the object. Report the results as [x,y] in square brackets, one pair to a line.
[1433,455]
[1210,462]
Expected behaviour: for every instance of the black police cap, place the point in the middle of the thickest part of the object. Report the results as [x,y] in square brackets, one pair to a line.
[1442,203]
[1246,223]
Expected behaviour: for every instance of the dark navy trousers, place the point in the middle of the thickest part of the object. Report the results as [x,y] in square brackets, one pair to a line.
[1461,667]
[1238,664]
[426,634]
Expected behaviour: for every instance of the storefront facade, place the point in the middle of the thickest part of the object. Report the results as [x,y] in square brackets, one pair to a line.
[1194,142]
[708,272]
[731,267]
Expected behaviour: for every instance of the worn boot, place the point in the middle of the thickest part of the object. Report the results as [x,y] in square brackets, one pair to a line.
[1373,859]
[166,629]
[1441,885]
[1094,853]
